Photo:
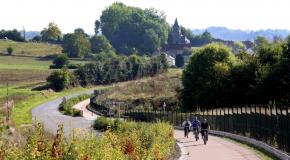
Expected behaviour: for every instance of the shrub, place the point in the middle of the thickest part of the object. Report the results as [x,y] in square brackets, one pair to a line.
[130,141]
[102,123]
[60,61]
[66,106]
[10,50]
[61,79]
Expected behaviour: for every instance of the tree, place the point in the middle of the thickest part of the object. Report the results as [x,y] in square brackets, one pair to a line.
[81,32]
[76,45]
[179,61]
[131,28]
[61,79]
[202,39]
[12,35]
[9,50]
[97,27]
[60,61]
[100,44]
[206,76]
[51,34]
[36,38]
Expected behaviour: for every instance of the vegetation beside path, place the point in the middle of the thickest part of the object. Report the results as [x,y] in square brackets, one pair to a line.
[128,140]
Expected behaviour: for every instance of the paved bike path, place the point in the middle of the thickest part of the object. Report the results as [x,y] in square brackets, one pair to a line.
[217,148]
[48,114]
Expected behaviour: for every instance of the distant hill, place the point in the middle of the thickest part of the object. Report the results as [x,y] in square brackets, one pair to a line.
[30,34]
[240,35]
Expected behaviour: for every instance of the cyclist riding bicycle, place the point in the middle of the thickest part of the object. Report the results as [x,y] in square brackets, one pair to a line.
[204,130]
[186,124]
[195,127]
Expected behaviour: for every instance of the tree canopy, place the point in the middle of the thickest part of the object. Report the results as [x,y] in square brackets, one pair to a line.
[11,34]
[100,44]
[51,34]
[131,28]
[76,44]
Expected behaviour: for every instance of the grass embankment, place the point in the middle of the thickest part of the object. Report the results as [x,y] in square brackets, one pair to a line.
[155,89]
[26,99]
[124,141]
[30,48]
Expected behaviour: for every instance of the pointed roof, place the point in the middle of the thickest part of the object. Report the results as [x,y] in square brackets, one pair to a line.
[176,23]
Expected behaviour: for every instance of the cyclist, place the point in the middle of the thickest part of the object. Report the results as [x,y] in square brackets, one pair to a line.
[195,127]
[186,124]
[204,130]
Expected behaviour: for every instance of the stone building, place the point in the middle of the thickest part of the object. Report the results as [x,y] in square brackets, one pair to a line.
[176,41]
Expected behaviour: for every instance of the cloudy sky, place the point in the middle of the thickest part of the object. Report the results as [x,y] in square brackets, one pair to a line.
[71,14]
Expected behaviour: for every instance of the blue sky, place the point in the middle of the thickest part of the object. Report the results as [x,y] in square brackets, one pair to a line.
[71,14]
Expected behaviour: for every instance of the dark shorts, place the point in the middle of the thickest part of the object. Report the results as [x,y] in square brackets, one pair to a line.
[203,132]
[195,129]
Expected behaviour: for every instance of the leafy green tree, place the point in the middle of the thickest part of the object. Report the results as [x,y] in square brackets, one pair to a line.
[36,38]
[61,61]
[51,34]
[131,28]
[12,35]
[81,32]
[10,50]
[204,78]
[76,45]
[61,79]
[100,44]
[179,61]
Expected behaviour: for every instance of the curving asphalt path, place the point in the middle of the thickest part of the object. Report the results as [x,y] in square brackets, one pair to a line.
[217,148]
[48,114]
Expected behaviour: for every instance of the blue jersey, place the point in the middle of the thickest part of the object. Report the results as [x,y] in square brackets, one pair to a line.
[195,124]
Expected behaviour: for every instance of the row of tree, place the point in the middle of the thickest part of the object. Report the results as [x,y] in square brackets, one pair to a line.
[11,35]
[217,77]
[109,69]
[120,68]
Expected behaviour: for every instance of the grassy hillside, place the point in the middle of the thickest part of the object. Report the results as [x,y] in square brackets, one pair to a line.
[17,69]
[30,48]
[153,90]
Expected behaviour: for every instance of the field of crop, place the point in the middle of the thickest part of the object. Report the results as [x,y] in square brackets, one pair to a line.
[30,48]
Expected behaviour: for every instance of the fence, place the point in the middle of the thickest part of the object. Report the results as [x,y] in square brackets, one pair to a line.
[265,123]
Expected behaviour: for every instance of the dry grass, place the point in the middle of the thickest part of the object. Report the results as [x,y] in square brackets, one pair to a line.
[16,76]
[162,86]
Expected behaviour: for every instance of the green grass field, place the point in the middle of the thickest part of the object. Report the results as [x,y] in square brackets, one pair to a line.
[30,48]
[17,69]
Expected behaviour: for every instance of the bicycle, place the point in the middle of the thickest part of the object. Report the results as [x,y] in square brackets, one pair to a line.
[195,133]
[205,136]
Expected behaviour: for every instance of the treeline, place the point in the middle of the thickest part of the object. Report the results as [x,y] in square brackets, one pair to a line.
[216,77]
[120,69]
[108,70]
[11,35]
